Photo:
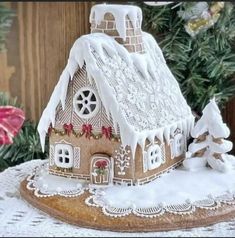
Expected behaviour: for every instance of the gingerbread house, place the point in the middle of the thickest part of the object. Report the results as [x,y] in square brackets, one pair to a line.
[117,114]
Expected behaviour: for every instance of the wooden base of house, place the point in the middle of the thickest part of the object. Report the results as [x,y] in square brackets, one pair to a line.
[75,211]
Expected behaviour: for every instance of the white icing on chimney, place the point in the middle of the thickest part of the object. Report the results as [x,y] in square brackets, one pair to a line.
[120,12]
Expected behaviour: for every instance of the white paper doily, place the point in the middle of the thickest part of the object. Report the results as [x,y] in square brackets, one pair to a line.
[18,218]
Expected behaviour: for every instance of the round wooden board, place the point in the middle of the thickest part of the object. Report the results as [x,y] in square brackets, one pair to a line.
[75,211]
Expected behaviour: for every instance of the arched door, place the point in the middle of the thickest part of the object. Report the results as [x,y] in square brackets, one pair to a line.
[101,169]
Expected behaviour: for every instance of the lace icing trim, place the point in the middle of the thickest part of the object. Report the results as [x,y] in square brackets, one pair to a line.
[31,185]
[161,209]
[96,200]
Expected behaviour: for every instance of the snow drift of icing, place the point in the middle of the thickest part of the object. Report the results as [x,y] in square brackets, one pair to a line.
[120,12]
[212,122]
[150,195]
[137,90]
[226,164]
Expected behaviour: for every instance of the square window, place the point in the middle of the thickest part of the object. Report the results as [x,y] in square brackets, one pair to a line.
[154,158]
[64,155]
[177,145]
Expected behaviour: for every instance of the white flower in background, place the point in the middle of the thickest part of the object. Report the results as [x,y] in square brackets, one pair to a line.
[195,10]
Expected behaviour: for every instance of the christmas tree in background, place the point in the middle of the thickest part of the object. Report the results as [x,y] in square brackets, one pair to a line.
[197,39]
[209,145]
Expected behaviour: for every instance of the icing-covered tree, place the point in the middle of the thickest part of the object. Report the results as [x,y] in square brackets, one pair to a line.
[209,146]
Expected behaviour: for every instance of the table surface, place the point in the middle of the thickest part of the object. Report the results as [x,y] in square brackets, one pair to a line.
[18,218]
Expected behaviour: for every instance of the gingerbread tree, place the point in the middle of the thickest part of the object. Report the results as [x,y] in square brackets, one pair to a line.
[209,146]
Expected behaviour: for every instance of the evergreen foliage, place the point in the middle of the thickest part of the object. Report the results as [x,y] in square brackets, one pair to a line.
[26,144]
[204,65]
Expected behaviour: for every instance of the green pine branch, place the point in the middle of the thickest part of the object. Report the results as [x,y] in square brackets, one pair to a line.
[204,65]
[26,145]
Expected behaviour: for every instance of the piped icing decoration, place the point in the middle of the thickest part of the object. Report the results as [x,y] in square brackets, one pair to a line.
[155,103]
[86,129]
[148,200]
[120,12]
[209,145]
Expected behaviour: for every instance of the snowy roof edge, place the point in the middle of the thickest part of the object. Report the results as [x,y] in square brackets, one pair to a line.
[128,135]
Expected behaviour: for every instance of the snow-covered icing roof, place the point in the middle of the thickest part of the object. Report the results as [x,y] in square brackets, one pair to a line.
[120,12]
[137,90]
[212,122]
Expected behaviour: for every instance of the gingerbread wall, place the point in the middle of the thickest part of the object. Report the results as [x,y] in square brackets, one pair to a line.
[133,174]
[141,177]
[89,147]
[68,115]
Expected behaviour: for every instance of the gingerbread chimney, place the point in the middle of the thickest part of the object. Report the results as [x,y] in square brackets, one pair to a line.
[122,22]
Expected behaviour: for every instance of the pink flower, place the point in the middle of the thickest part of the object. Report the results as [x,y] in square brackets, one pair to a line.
[101,164]
[11,121]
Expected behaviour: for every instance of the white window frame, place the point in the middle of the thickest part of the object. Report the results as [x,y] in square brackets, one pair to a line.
[64,152]
[172,148]
[178,145]
[154,157]
[85,102]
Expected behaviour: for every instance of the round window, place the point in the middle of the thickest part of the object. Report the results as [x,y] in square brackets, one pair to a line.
[86,102]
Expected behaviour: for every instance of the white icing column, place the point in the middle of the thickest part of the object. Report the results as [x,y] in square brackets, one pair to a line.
[122,22]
